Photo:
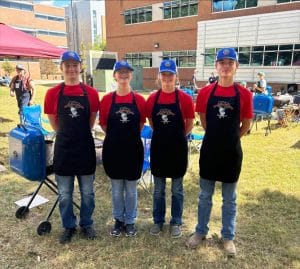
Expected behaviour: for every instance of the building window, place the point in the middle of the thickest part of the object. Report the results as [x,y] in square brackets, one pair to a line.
[139,59]
[22,6]
[94,25]
[286,1]
[138,15]
[48,17]
[184,58]
[269,55]
[180,8]
[227,5]
[51,33]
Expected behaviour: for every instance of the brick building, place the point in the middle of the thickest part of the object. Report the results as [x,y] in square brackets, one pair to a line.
[44,22]
[264,32]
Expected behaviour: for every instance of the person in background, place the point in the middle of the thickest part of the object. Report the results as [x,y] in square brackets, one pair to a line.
[212,78]
[171,114]
[71,108]
[23,88]
[194,79]
[122,116]
[225,110]
[261,86]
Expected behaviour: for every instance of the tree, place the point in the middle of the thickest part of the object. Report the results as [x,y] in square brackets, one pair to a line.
[99,44]
[8,67]
[47,67]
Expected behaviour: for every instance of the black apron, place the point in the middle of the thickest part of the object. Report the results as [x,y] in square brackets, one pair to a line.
[221,153]
[123,152]
[169,151]
[74,150]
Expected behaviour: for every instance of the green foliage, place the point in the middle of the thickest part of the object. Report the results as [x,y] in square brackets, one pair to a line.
[8,67]
[47,67]
[99,44]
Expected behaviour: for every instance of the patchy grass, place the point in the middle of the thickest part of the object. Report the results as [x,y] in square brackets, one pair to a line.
[268,225]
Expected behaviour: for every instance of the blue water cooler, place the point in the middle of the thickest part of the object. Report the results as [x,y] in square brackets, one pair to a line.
[27,152]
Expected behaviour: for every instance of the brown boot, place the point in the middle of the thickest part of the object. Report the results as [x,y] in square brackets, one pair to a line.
[229,247]
[195,240]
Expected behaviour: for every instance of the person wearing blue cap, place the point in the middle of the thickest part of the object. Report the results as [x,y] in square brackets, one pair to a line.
[225,110]
[122,116]
[171,114]
[22,87]
[71,107]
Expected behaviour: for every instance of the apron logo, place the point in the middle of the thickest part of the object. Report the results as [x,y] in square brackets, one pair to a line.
[124,112]
[74,106]
[164,113]
[222,106]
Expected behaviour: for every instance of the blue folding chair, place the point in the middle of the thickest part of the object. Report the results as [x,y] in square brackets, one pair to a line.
[190,92]
[262,109]
[146,135]
[194,143]
[269,90]
[32,116]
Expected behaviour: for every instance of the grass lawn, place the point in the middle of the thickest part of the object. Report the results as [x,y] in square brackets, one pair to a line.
[268,220]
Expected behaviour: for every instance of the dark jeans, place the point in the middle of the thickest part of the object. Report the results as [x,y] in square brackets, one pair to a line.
[159,201]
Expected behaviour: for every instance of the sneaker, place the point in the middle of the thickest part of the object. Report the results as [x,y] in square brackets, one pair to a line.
[229,247]
[117,228]
[130,229]
[195,240]
[156,229]
[89,232]
[67,235]
[175,231]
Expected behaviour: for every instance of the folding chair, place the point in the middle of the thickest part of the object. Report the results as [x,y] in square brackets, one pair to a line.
[146,135]
[262,109]
[32,116]
[194,143]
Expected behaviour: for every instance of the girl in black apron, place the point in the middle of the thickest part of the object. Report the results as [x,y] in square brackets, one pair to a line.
[123,153]
[168,153]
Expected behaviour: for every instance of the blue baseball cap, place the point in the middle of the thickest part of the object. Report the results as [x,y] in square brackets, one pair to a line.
[168,66]
[70,56]
[122,64]
[227,53]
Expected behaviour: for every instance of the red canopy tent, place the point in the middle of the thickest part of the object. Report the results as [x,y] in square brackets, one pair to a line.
[19,44]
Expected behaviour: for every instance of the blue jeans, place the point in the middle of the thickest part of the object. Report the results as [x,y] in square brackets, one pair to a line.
[228,208]
[65,186]
[124,200]
[159,201]
[22,100]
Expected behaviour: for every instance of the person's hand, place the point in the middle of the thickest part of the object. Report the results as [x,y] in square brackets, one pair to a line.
[31,102]
[12,93]
[254,86]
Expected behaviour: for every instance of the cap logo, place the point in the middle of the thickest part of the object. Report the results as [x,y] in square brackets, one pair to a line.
[123,63]
[168,64]
[226,52]
[71,54]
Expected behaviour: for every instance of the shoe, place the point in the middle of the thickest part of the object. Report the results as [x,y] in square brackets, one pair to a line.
[156,229]
[117,228]
[229,247]
[175,231]
[130,230]
[195,240]
[89,232]
[67,235]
